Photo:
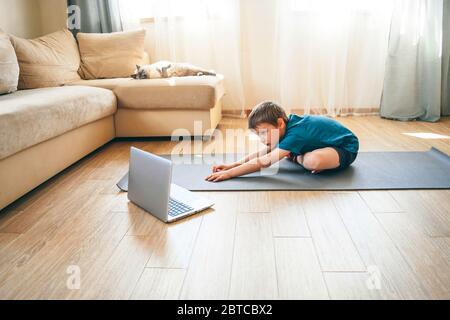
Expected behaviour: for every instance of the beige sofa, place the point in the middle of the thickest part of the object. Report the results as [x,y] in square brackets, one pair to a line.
[43,131]
[157,107]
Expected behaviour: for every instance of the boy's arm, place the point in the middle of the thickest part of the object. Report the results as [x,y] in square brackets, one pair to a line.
[253,165]
[252,156]
[255,155]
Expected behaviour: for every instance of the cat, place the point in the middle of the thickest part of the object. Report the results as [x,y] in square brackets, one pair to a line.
[167,69]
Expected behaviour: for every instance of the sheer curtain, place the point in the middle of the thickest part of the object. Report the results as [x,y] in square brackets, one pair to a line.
[331,55]
[202,32]
[312,56]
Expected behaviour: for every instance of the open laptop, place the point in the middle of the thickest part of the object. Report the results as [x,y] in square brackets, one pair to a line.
[149,185]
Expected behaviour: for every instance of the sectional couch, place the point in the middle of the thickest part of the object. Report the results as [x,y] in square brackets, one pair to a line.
[45,130]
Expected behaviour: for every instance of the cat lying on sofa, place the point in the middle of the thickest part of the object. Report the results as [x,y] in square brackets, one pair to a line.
[167,69]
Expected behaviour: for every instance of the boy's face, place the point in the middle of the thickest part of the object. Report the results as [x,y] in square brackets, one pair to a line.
[269,134]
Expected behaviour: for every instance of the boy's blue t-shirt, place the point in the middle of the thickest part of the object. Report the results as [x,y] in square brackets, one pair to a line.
[308,133]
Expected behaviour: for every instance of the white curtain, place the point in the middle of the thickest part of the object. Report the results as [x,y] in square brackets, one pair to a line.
[331,54]
[312,56]
[202,32]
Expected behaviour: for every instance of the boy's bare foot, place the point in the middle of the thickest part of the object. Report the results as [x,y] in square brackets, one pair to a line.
[299,160]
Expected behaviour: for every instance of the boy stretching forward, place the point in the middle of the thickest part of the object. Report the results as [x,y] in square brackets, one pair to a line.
[316,143]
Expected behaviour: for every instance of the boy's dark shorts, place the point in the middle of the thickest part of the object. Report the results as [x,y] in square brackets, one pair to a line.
[346,158]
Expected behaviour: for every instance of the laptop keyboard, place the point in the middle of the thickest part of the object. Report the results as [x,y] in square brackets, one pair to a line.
[177,208]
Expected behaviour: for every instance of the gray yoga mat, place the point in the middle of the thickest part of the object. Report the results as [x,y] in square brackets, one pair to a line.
[370,171]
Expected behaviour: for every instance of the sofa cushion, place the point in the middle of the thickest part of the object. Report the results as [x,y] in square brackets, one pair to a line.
[192,93]
[9,67]
[32,116]
[111,55]
[109,84]
[48,61]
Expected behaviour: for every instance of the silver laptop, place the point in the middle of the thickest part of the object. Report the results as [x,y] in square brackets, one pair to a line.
[150,187]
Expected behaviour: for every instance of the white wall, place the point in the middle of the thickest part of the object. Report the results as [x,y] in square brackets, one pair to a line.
[32,18]
[53,15]
[21,17]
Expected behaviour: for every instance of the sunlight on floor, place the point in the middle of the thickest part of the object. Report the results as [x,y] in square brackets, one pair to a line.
[426,135]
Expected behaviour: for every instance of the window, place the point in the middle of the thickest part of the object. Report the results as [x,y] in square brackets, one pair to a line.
[334,6]
[148,10]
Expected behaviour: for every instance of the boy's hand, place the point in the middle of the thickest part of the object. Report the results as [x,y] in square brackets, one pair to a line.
[219,176]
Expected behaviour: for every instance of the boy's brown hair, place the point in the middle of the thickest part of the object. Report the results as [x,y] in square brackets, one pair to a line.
[266,112]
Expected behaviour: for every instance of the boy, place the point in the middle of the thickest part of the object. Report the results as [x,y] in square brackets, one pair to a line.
[317,143]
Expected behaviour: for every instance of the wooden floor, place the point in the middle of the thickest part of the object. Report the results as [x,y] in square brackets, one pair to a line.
[252,245]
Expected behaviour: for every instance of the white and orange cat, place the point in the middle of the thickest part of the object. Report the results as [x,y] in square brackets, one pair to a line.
[167,69]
